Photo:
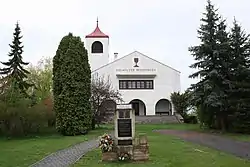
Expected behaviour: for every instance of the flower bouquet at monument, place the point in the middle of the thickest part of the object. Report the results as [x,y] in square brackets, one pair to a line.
[106,143]
[124,156]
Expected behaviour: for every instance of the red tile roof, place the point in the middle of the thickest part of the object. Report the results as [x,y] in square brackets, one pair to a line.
[97,33]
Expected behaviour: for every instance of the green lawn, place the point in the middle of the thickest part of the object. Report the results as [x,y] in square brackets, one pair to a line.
[166,151]
[195,127]
[24,152]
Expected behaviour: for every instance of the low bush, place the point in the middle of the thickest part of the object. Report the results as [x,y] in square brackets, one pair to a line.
[191,119]
[48,102]
[20,119]
[239,123]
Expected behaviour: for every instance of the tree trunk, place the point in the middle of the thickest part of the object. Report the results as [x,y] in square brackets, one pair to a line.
[93,123]
[217,122]
[223,122]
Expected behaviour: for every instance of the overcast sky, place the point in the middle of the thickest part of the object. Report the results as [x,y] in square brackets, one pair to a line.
[161,29]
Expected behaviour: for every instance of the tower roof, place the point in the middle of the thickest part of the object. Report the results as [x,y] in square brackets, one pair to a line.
[97,33]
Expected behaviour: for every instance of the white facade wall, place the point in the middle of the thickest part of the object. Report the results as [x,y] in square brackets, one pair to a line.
[97,60]
[166,79]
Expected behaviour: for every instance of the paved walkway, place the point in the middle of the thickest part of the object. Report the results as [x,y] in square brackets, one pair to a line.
[68,156]
[238,148]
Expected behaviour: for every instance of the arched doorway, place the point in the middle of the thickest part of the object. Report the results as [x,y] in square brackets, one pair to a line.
[139,107]
[163,107]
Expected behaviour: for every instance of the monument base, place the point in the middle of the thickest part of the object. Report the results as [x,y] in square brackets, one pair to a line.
[139,151]
[109,156]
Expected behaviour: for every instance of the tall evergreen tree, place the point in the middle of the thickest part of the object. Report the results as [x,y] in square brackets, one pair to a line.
[15,70]
[72,87]
[206,56]
[240,78]
[224,61]
[213,61]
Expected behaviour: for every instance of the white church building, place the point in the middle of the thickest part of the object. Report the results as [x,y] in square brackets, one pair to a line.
[143,81]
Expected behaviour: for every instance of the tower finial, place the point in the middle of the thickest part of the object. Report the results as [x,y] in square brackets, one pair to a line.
[97,21]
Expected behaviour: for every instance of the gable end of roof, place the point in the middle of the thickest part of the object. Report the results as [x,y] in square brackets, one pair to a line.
[129,55]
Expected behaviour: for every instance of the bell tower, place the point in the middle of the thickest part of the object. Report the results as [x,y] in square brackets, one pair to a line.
[97,44]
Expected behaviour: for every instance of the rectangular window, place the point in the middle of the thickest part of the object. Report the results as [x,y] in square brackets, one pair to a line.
[136,84]
[133,85]
[147,84]
[142,85]
[124,84]
[120,84]
[129,85]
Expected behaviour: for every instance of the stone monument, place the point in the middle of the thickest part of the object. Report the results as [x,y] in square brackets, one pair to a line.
[126,145]
[124,121]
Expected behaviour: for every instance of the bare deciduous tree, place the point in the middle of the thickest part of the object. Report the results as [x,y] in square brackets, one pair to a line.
[101,91]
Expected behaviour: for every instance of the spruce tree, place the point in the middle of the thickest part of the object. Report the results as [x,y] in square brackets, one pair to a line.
[224,61]
[72,87]
[206,56]
[15,71]
[240,78]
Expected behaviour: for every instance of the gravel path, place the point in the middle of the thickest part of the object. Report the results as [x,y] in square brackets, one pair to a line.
[238,148]
[68,156]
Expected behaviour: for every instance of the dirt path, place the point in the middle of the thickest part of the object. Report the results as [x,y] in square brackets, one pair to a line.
[238,148]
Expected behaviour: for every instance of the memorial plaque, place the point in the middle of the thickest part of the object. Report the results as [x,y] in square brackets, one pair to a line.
[124,128]
[125,142]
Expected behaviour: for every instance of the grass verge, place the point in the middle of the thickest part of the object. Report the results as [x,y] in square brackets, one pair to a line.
[195,127]
[26,151]
[167,151]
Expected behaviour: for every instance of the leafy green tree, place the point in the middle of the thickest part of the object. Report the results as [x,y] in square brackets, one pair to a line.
[41,76]
[180,102]
[72,87]
[15,66]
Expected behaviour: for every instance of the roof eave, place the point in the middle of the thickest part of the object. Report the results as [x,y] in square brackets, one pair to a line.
[96,36]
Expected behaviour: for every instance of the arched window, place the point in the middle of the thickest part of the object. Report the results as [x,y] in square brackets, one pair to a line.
[97,47]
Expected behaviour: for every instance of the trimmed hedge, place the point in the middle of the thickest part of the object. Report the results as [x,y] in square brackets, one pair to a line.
[72,87]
